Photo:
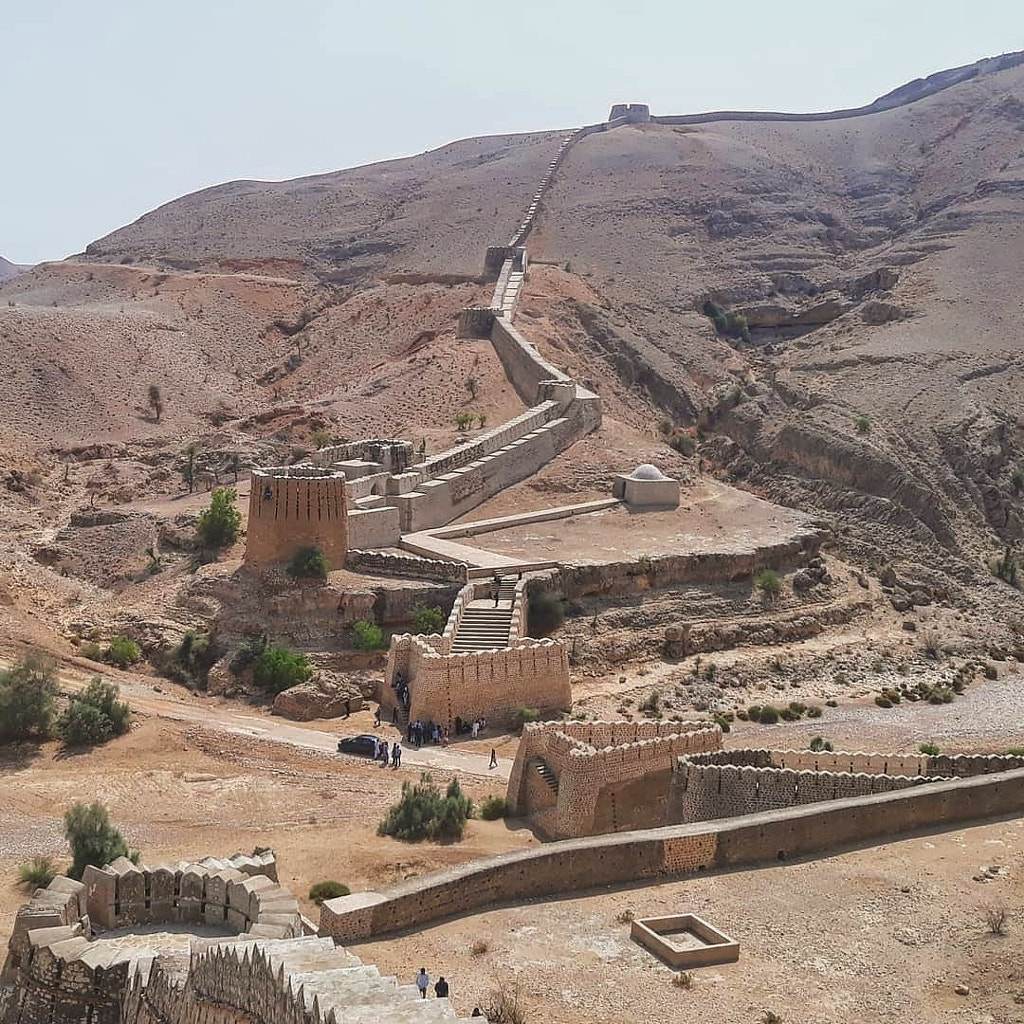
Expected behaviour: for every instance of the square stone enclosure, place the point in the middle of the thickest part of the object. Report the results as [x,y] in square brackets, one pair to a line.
[715,947]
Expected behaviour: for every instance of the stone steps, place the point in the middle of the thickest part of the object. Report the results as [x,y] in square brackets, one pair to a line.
[545,772]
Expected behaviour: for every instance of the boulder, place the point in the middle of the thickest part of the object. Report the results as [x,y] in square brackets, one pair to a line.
[324,696]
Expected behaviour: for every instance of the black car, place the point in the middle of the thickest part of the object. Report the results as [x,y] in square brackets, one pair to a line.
[362,746]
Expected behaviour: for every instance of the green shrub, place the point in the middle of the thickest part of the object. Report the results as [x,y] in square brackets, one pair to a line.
[280,668]
[464,420]
[819,744]
[798,708]
[788,715]
[652,706]
[941,695]
[91,651]
[814,711]
[754,712]
[250,651]
[931,749]
[308,564]
[521,716]
[769,715]
[769,583]
[93,840]
[731,325]
[863,424]
[190,662]
[26,699]
[547,613]
[683,443]
[1014,752]
[36,873]
[494,807]
[423,812]
[883,702]
[219,525]
[93,716]
[723,723]
[368,636]
[427,620]
[832,703]
[122,652]
[327,891]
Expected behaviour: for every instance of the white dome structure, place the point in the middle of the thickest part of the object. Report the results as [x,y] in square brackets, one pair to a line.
[647,487]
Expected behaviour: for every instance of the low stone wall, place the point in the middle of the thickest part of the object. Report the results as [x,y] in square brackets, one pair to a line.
[735,782]
[385,563]
[658,854]
[374,528]
[611,776]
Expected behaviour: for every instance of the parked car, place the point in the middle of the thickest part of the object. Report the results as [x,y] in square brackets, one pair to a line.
[361,746]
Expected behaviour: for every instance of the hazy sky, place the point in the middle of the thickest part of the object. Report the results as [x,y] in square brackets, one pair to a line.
[112,107]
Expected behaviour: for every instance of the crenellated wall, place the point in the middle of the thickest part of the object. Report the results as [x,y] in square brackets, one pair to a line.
[610,776]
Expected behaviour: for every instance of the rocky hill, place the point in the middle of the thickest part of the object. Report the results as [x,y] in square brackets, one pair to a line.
[861,358]
[9,269]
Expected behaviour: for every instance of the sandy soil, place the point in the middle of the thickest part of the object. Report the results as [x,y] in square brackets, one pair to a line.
[882,934]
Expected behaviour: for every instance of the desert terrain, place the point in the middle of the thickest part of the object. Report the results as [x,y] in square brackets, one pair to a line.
[872,399]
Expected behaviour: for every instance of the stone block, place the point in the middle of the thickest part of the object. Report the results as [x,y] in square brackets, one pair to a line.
[214,914]
[100,895]
[237,921]
[188,910]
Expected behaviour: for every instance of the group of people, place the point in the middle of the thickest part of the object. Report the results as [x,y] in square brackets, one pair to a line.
[381,753]
[417,734]
[474,728]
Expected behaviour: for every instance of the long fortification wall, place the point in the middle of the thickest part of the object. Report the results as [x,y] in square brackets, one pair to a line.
[525,367]
[577,864]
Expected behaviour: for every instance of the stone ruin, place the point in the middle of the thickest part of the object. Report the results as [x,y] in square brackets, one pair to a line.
[99,951]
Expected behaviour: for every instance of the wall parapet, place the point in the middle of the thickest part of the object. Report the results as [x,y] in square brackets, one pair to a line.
[386,563]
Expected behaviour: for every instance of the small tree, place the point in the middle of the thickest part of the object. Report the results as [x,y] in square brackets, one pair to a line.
[367,636]
[92,838]
[327,891]
[769,583]
[494,807]
[863,424]
[818,744]
[26,699]
[279,668]
[190,662]
[546,612]
[423,813]
[156,402]
[481,419]
[308,564]
[427,620]
[464,420]
[219,525]
[473,387]
[93,716]
[122,652]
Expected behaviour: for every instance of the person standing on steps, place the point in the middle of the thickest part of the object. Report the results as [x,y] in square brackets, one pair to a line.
[441,988]
[423,982]
[497,589]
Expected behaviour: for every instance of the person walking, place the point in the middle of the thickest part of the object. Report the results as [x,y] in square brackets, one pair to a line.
[396,755]
[423,982]
[441,988]
[348,707]
[494,759]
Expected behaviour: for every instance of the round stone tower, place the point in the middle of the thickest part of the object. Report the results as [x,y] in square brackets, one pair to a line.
[294,507]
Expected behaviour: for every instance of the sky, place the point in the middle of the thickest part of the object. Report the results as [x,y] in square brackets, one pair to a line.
[113,107]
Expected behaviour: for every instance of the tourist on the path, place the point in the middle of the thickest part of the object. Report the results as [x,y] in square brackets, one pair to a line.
[441,988]
[396,754]
[494,759]
[476,728]
[376,718]
[348,707]
[423,982]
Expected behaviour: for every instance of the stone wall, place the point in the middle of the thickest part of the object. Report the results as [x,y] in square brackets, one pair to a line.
[578,864]
[293,507]
[738,782]
[386,563]
[611,776]
[525,367]
[492,684]
[374,528]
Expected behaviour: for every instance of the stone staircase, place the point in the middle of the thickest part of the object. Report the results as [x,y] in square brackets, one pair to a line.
[330,978]
[545,772]
[485,626]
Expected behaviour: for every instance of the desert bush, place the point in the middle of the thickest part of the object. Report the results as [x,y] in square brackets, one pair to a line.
[368,636]
[321,439]
[27,692]
[652,705]
[521,716]
[219,525]
[464,420]
[327,891]
[769,715]
[788,715]
[819,744]
[731,325]
[682,979]
[814,711]
[427,620]
[423,812]
[832,703]
[506,1003]
[92,838]
[995,920]
[883,702]
[1014,752]
[941,695]
[723,723]
[91,651]
[473,387]
[479,947]
[93,716]
[547,613]
[494,807]
[770,1017]
[122,652]
[931,646]
[931,749]
[279,668]
[308,564]
[625,916]
[36,873]
[769,583]
[863,424]
[190,661]
[798,708]
[683,443]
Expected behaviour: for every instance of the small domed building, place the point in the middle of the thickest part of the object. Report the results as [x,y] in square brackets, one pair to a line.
[647,487]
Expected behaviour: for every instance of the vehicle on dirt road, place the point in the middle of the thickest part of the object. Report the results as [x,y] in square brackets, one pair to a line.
[361,746]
